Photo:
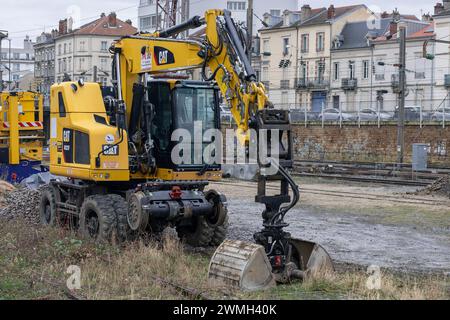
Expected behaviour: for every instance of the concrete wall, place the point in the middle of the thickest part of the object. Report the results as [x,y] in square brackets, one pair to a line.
[368,143]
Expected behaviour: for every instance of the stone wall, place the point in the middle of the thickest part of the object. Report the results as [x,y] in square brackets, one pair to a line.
[368,143]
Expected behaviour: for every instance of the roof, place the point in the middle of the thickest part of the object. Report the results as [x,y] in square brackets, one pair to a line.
[443,13]
[101,27]
[318,16]
[354,35]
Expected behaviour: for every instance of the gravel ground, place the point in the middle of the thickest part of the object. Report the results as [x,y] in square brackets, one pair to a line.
[363,239]
[21,203]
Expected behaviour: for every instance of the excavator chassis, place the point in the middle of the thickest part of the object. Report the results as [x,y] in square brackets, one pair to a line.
[146,208]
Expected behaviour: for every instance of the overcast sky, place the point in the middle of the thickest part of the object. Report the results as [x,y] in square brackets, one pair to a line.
[22,17]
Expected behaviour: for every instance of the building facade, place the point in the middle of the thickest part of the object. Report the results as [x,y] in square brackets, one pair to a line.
[17,63]
[364,71]
[440,51]
[84,52]
[148,21]
[296,53]
[44,69]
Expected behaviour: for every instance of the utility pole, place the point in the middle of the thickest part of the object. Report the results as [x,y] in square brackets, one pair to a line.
[250,28]
[95,74]
[3,35]
[402,84]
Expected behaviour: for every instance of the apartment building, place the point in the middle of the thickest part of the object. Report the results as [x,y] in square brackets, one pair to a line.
[296,53]
[16,63]
[84,52]
[44,70]
[149,13]
[364,65]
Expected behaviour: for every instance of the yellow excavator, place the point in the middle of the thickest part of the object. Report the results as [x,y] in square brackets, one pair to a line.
[117,154]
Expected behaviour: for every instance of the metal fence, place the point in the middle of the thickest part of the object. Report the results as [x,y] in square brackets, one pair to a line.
[425,112]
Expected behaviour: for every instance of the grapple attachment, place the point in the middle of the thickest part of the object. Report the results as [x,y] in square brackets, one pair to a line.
[246,266]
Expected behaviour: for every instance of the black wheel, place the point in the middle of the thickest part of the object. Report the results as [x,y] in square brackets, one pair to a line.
[47,208]
[98,219]
[220,234]
[120,206]
[201,235]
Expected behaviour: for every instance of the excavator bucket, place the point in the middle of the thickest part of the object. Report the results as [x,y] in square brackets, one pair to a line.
[240,265]
[245,265]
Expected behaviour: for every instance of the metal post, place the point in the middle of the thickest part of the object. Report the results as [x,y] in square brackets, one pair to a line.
[95,74]
[323,118]
[9,66]
[402,84]
[250,28]
[1,72]
[306,118]
[340,115]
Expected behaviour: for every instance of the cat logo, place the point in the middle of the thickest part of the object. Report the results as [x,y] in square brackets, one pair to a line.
[163,56]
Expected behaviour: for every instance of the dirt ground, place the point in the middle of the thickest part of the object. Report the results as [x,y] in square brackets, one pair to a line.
[399,236]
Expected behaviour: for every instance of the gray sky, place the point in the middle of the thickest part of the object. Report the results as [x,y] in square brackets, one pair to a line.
[21,17]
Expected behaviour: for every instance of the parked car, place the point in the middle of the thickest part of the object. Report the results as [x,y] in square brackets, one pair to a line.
[372,115]
[441,113]
[225,113]
[298,115]
[412,113]
[332,114]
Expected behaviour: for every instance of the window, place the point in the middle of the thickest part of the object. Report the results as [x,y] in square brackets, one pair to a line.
[284,84]
[266,46]
[82,43]
[336,71]
[103,63]
[275,13]
[265,74]
[16,67]
[61,105]
[104,46]
[70,47]
[59,49]
[284,99]
[237,5]
[4,56]
[16,56]
[320,41]
[149,22]
[81,64]
[16,77]
[285,46]
[65,48]
[27,56]
[305,42]
[366,69]
[351,70]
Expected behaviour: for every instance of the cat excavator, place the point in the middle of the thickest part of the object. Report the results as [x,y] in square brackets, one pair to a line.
[117,155]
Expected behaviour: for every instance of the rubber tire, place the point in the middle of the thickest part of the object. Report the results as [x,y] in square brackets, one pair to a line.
[220,234]
[202,235]
[106,214]
[120,206]
[48,197]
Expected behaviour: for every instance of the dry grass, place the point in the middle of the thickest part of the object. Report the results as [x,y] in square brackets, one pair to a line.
[33,262]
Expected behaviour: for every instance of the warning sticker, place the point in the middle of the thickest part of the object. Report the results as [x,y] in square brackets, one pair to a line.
[146,59]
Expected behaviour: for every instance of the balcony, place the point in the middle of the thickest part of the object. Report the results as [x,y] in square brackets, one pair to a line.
[313,83]
[395,83]
[349,84]
[447,80]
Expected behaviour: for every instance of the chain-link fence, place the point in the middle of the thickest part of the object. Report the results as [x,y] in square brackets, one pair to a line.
[423,112]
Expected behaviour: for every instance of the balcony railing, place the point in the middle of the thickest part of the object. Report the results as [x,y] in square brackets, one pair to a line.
[349,84]
[312,83]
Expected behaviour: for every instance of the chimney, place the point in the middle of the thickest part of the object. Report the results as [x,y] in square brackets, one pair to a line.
[384,15]
[69,25]
[128,21]
[102,15]
[446,4]
[426,17]
[305,12]
[438,8]
[331,12]
[393,27]
[62,27]
[27,44]
[112,19]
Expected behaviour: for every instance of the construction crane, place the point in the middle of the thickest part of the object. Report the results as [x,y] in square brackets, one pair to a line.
[118,155]
[21,135]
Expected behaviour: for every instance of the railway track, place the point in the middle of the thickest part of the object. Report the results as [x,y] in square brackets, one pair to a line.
[346,194]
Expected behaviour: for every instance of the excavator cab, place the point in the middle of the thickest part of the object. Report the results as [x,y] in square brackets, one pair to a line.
[188,109]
